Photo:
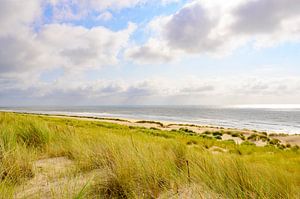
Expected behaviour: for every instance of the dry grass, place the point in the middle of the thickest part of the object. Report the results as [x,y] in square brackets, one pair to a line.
[133,162]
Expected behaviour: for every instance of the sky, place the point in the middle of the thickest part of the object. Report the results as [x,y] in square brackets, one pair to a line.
[149,52]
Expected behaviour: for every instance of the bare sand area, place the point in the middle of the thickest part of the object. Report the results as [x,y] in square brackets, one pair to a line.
[233,134]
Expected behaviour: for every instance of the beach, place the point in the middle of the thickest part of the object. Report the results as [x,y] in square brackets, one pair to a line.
[63,156]
[270,119]
[227,133]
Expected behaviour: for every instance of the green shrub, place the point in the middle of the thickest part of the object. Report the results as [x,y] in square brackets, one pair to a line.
[274,142]
[217,133]
[248,143]
[207,132]
[218,137]
[295,148]
[186,130]
[253,137]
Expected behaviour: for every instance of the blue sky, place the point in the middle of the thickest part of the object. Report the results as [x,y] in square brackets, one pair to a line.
[149,52]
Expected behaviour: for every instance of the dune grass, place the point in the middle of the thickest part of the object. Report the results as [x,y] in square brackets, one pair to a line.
[135,162]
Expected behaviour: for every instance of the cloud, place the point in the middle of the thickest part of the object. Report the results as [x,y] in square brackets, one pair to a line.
[62,45]
[15,16]
[190,28]
[264,16]
[105,16]
[218,27]
[159,90]
[17,54]
[152,52]
[78,9]
[59,45]
[166,2]
[30,48]
[98,5]
[27,51]
[77,47]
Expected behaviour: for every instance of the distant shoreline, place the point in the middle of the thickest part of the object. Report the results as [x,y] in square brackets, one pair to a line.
[178,120]
[293,139]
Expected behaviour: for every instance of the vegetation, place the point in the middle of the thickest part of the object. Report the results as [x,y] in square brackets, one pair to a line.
[151,122]
[116,161]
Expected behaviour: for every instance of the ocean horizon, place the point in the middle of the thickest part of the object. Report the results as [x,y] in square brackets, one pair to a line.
[269,118]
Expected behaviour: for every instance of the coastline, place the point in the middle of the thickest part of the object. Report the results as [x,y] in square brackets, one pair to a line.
[264,120]
[46,152]
[227,133]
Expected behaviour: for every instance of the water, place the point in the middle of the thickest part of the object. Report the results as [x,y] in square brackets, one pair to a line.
[271,119]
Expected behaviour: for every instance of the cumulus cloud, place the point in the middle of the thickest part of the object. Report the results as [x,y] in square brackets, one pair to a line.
[264,16]
[54,45]
[218,27]
[190,28]
[154,51]
[77,47]
[201,27]
[15,16]
[26,51]
[61,45]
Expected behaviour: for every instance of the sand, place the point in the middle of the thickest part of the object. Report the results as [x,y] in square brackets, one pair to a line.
[287,139]
[168,126]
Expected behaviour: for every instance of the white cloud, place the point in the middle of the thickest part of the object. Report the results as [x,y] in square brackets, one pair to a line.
[105,16]
[218,27]
[62,45]
[152,52]
[166,2]
[185,90]
[77,47]
[200,27]
[77,9]
[27,52]
[16,16]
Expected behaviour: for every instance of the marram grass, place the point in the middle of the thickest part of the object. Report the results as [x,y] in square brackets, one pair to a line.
[132,162]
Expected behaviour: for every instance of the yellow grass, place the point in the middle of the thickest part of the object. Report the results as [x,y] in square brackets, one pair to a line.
[115,161]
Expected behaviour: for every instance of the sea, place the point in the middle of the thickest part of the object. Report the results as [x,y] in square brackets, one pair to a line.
[275,119]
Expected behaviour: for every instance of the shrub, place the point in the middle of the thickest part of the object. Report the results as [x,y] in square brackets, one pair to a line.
[274,142]
[253,137]
[248,143]
[217,133]
[235,134]
[153,128]
[264,133]
[218,137]
[186,130]
[295,148]
[151,122]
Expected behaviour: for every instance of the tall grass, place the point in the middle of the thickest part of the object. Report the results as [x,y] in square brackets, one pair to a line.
[143,163]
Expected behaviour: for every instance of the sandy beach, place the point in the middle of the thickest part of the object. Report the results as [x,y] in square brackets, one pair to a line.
[195,128]
[60,156]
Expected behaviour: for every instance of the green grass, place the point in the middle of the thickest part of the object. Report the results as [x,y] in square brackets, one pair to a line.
[134,162]
[150,122]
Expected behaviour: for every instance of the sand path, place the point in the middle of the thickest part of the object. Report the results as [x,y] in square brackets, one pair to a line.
[53,176]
